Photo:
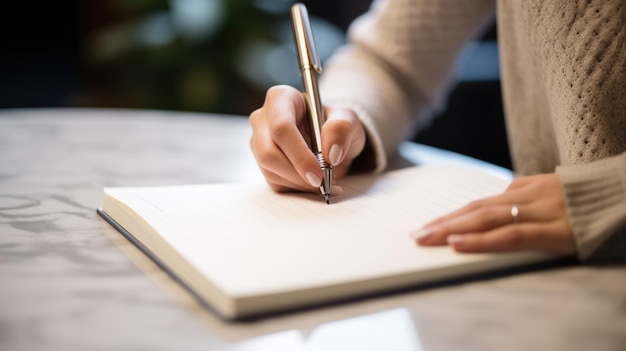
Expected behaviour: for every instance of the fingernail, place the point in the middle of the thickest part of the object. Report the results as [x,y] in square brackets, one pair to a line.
[420,234]
[335,154]
[314,180]
[455,238]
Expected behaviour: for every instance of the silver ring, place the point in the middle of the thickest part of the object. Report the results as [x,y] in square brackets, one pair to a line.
[515,213]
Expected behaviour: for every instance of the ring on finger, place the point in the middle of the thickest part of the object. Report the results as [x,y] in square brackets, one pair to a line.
[515,213]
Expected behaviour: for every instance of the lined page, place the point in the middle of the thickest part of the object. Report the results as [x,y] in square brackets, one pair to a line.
[248,239]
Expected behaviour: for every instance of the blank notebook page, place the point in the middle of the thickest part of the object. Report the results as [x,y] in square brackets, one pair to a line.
[250,240]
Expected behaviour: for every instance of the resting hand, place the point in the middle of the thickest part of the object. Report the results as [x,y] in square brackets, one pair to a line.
[488,225]
[280,140]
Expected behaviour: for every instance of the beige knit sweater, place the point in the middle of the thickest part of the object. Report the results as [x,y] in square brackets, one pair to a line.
[563,73]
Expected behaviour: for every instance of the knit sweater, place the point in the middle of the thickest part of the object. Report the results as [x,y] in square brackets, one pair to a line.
[563,68]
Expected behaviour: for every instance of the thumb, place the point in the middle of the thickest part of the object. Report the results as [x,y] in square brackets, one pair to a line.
[343,136]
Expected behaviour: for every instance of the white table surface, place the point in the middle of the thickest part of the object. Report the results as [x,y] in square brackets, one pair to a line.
[70,282]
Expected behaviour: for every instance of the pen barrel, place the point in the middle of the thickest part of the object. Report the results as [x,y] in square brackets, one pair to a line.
[314,107]
[310,67]
[305,42]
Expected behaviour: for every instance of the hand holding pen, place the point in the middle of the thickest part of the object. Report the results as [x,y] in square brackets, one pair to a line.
[310,67]
[285,140]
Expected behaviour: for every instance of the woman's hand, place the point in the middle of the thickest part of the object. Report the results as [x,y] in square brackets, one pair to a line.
[280,141]
[489,225]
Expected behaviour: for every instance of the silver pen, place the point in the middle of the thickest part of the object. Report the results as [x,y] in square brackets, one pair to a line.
[310,67]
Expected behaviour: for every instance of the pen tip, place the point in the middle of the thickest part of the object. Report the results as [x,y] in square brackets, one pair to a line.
[327,197]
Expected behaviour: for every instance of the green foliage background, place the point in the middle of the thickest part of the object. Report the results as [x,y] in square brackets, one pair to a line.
[183,73]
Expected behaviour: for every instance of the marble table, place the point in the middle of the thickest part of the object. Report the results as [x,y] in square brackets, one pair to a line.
[70,282]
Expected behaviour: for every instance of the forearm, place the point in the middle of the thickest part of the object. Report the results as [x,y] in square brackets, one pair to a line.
[355,80]
[398,63]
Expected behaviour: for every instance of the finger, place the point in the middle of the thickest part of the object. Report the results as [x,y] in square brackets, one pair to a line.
[482,220]
[273,162]
[507,198]
[271,151]
[551,237]
[281,184]
[277,169]
[342,135]
[285,113]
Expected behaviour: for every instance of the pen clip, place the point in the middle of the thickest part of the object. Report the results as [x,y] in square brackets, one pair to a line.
[305,42]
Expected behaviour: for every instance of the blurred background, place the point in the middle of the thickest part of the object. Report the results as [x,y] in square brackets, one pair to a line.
[192,55]
[208,56]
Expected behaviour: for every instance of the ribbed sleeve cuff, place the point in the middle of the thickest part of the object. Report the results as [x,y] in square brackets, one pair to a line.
[595,194]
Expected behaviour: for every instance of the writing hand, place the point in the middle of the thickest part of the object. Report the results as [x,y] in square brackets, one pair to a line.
[488,225]
[280,141]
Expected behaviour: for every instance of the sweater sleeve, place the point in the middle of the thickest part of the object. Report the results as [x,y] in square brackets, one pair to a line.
[398,62]
[595,195]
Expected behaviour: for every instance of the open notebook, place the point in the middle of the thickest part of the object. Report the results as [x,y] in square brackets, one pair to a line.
[246,250]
